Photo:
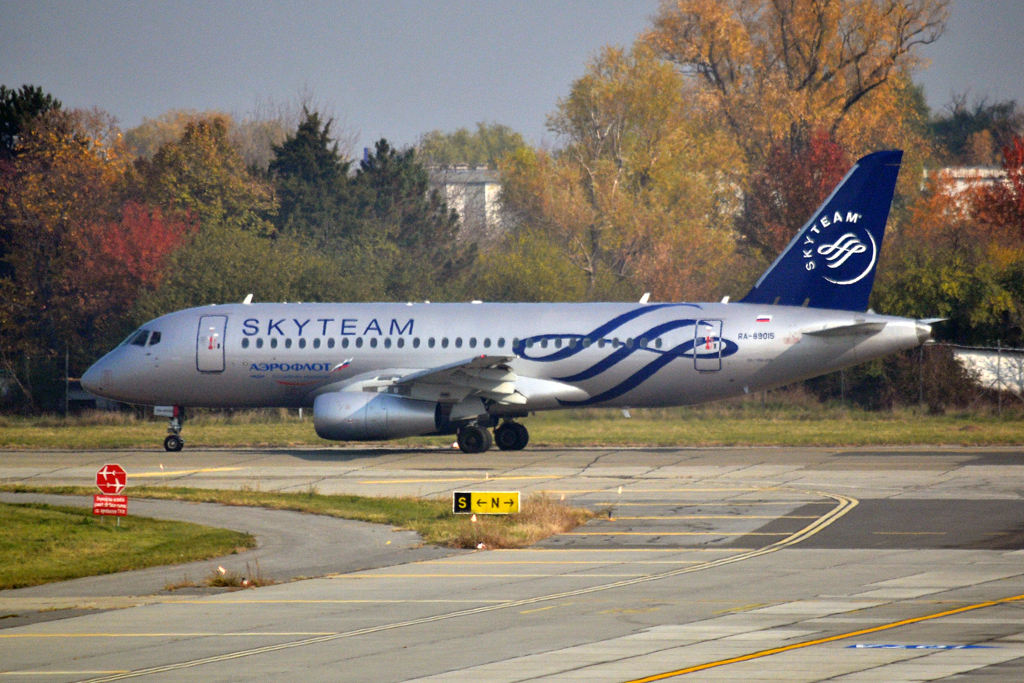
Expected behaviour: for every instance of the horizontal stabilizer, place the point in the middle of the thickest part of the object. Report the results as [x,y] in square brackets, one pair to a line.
[861,329]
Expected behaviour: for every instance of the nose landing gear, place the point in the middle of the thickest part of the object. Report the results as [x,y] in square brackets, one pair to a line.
[174,442]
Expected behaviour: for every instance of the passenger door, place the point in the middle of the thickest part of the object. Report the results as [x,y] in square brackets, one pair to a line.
[707,345]
[210,343]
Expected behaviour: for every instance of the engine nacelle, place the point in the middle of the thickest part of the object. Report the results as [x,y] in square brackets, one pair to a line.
[364,416]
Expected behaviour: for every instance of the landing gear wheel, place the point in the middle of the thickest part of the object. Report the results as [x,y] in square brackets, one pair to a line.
[474,439]
[511,436]
[174,443]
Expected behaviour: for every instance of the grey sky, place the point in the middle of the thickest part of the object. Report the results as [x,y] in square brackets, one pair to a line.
[392,69]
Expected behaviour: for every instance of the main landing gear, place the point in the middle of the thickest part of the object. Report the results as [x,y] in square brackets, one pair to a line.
[174,442]
[510,436]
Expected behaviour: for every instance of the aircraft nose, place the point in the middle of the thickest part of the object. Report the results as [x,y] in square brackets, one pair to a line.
[97,378]
[91,380]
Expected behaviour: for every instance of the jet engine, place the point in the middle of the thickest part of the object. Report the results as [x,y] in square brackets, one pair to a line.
[365,416]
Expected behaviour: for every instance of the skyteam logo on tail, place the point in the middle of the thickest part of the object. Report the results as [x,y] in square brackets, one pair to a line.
[844,252]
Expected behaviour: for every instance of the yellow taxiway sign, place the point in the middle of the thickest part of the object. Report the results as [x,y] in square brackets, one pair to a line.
[485,502]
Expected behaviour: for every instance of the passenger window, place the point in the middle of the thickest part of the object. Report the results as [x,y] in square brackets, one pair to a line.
[587,342]
[472,342]
[430,342]
[515,343]
[629,343]
[487,342]
[544,343]
[316,343]
[288,343]
[330,342]
[373,342]
[458,342]
[615,343]
[359,342]
[273,342]
[444,342]
[155,339]
[600,343]
[501,342]
[259,343]
[416,343]
[245,342]
[140,338]
[387,343]
[401,342]
[302,343]
[572,343]
[558,342]
[529,343]
[643,342]
[657,342]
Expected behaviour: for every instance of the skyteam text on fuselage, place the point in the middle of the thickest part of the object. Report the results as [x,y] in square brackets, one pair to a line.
[391,370]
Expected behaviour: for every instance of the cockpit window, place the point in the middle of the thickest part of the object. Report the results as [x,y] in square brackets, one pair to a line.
[154,338]
[140,338]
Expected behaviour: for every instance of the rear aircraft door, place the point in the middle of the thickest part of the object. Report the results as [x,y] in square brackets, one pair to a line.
[210,343]
[707,345]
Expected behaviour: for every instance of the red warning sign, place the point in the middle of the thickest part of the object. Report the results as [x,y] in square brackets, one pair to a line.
[111,479]
[110,505]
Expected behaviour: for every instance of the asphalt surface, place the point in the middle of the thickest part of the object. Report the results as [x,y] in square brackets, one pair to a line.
[707,564]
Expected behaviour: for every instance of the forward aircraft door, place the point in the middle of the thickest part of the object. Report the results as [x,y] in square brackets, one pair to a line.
[210,343]
[707,346]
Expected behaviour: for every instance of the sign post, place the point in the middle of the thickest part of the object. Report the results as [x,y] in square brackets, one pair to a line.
[485,502]
[111,479]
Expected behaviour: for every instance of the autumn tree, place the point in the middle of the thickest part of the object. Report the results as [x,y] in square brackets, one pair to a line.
[641,194]
[74,256]
[960,255]
[975,134]
[774,70]
[484,146]
[796,179]
[201,174]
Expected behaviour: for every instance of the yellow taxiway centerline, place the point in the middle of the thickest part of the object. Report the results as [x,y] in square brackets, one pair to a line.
[821,641]
[137,475]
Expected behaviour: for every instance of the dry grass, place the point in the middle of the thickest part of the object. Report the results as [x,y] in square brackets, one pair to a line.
[542,517]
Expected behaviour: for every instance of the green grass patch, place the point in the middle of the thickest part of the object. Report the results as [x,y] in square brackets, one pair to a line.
[745,422]
[432,518]
[45,543]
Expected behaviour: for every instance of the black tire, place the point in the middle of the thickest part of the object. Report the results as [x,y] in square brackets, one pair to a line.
[506,437]
[522,436]
[174,443]
[473,439]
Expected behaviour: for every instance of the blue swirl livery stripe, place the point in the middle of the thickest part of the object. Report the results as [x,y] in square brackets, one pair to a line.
[623,352]
[597,333]
[684,350]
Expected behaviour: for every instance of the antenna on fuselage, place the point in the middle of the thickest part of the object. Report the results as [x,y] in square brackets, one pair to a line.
[645,298]
[248,299]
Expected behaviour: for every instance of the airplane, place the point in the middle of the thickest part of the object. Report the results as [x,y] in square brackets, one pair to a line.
[375,371]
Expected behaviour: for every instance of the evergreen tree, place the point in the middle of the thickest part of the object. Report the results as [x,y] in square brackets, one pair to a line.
[312,183]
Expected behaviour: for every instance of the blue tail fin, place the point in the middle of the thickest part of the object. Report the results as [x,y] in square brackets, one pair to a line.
[831,262]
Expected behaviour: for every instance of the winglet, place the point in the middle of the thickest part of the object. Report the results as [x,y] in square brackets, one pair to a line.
[831,261]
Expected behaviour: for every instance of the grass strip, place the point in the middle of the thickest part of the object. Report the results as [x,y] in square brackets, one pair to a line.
[727,425]
[45,543]
[431,518]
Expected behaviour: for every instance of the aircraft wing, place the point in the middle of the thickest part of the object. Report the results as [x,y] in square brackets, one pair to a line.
[483,376]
